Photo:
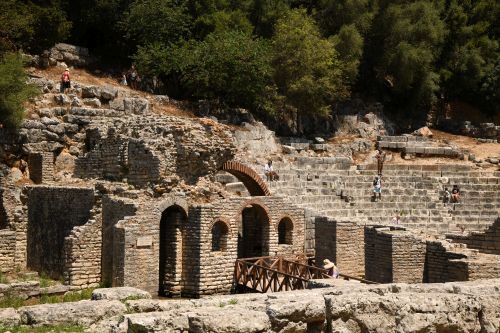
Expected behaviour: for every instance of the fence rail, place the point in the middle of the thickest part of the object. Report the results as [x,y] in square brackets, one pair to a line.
[272,274]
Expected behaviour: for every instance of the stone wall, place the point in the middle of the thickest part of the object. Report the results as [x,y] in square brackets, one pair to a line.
[3,212]
[341,242]
[41,167]
[113,210]
[486,242]
[136,247]
[168,147]
[443,263]
[82,255]
[7,250]
[53,212]
[451,307]
[199,269]
[482,266]
[13,217]
[393,255]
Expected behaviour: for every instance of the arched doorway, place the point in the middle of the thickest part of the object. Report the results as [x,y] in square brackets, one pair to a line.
[255,185]
[253,232]
[285,231]
[173,220]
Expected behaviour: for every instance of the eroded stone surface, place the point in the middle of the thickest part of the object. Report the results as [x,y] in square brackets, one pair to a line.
[119,293]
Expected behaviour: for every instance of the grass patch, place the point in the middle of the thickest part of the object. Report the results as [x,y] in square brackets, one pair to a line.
[45,329]
[75,296]
[3,278]
[233,301]
[9,301]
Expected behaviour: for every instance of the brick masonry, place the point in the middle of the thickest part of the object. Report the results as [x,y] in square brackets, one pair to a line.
[41,167]
[341,242]
[393,255]
[7,251]
[53,212]
[198,270]
[485,242]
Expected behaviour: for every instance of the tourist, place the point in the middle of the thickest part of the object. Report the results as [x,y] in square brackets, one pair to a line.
[380,156]
[133,77]
[455,194]
[65,81]
[269,172]
[446,195]
[332,269]
[377,188]
[396,219]
[123,82]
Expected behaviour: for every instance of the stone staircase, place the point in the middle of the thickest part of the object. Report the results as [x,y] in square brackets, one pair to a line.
[412,191]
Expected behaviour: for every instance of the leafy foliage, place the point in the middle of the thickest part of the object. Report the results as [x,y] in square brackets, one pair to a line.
[152,21]
[306,66]
[13,90]
[283,56]
[31,27]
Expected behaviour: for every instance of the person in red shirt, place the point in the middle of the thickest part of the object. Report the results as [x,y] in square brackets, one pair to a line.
[65,81]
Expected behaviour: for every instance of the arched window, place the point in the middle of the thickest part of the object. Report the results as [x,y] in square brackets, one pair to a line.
[285,231]
[219,236]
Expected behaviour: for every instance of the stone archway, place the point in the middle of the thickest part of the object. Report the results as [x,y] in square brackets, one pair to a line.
[252,181]
[253,232]
[172,223]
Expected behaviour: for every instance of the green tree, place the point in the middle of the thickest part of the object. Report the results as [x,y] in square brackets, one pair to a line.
[31,27]
[332,15]
[307,71]
[470,61]
[14,91]
[230,65]
[408,41]
[349,45]
[151,21]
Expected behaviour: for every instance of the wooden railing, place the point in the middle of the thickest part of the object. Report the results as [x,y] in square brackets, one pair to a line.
[272,274]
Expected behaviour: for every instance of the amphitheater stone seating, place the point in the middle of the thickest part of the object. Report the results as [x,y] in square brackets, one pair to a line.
[329,187]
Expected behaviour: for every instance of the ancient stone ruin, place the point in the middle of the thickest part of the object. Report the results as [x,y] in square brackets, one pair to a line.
[100,189]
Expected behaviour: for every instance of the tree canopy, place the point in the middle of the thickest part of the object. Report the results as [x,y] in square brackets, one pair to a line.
[277,56]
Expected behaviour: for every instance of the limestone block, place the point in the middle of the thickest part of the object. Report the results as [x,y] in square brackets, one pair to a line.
[156,322]
[91,92]
[227,321]
[84,313]
[119,293]
[92,102]
[9,317]
[108,93]
[288,149]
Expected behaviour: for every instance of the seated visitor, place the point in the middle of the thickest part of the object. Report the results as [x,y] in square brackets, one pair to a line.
[333,271]
[455,194]
[269,172]
[396,219]
[446,195]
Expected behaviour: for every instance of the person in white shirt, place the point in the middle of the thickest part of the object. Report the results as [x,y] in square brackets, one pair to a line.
[269,172]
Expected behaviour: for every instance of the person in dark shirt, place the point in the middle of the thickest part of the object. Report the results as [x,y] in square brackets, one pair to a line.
[455,194]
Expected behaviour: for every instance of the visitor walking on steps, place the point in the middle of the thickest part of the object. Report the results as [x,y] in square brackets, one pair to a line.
[455,194]
[65,81]
[377,188]
[446,195]
[333,271]
[380,157]
[269,172]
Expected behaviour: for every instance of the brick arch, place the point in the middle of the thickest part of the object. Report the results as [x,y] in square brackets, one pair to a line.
[252,181]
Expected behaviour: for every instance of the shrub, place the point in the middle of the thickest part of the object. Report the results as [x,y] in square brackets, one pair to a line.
[14,91]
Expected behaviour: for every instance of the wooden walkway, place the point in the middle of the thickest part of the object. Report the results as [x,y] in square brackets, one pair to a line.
[274,274]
